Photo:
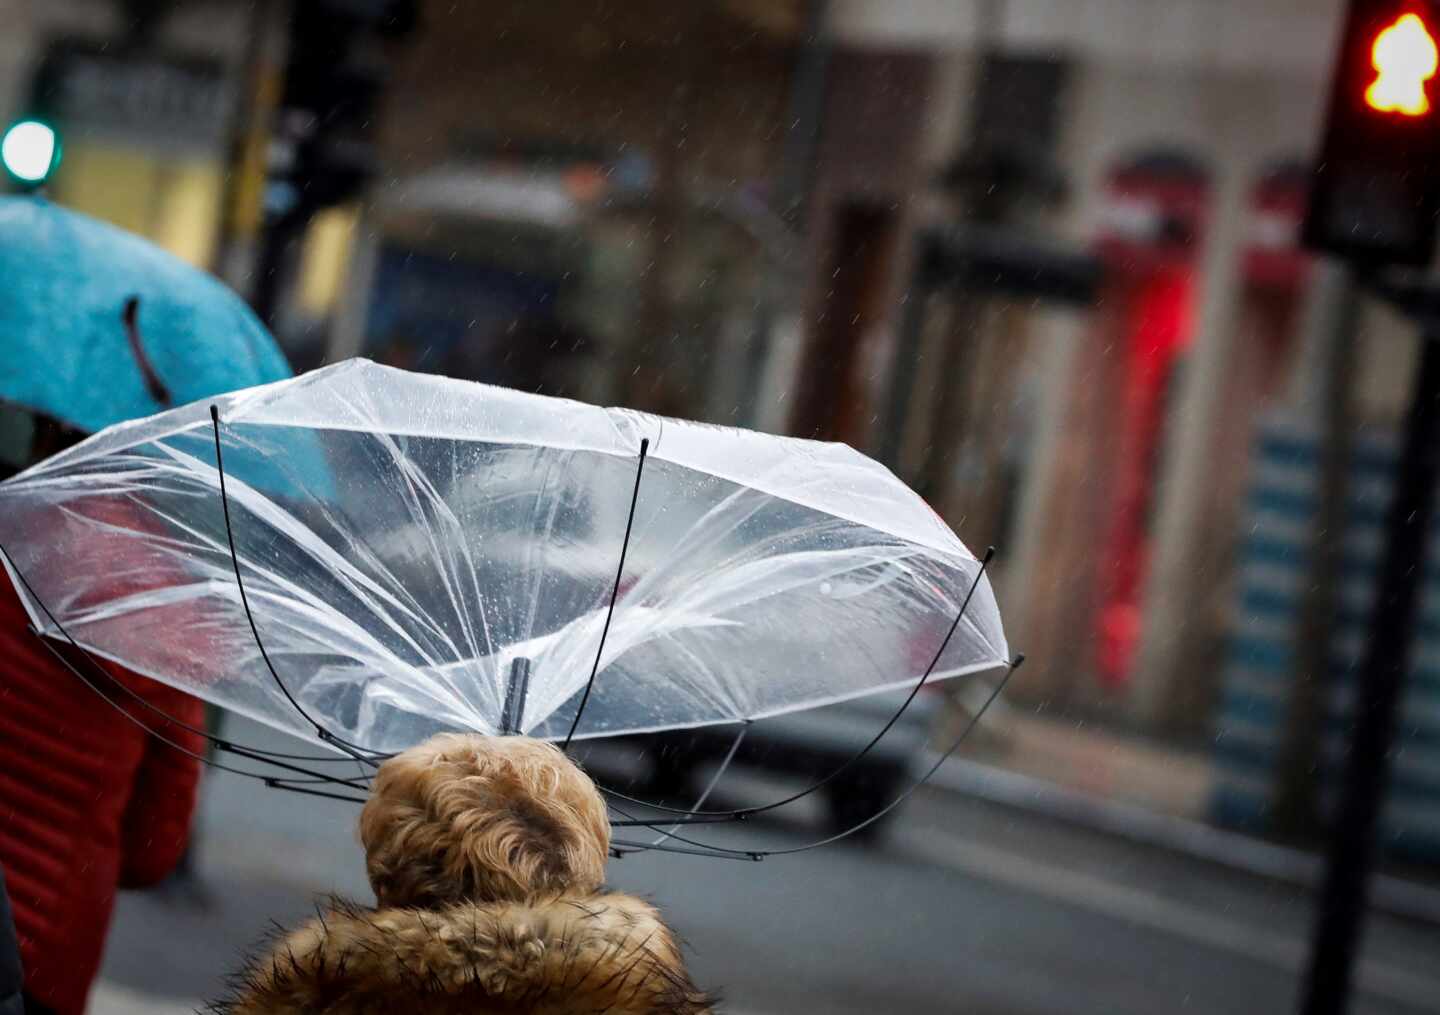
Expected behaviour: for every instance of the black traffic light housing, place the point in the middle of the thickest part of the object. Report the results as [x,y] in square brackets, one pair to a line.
[322,148]
[1375,203]
[333,82]
[1377,183]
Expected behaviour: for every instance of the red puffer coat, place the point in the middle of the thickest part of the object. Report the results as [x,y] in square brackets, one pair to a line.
[88,802]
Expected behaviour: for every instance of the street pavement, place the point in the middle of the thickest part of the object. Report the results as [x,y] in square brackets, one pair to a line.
[967,906]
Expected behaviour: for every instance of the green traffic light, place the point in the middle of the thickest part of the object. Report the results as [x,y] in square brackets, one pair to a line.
[30,151]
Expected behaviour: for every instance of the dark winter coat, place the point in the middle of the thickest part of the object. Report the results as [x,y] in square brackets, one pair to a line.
[561,955]
[11,977]
[88,802]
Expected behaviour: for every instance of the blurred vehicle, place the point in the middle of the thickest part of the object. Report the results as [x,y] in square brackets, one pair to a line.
[530,272]
[806,746]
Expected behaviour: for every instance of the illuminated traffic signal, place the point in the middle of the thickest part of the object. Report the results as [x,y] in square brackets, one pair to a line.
[1404,59]
[30,152]
[1377,181]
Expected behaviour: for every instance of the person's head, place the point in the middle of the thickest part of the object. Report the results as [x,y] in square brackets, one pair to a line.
[464,817]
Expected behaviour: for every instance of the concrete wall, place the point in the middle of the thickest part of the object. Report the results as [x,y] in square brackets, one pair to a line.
[690,78]
[211,28]
[704,89]
[1237,85]
[1283,37]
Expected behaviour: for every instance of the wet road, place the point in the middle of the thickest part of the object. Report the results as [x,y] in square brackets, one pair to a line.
[967,908]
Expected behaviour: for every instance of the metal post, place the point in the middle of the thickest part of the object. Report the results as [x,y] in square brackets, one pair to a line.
[906,367]
[1378,694]
[1161,695]
[796,179]
[272,272]
[806,111]
[513,712]
[243,163]
[1296,798]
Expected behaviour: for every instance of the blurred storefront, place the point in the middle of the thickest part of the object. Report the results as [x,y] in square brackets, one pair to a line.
[1127,432]
[748,230]
[527,268]
[144,139]
[595,223]
[1150,233]
[144,103]
[1103,441]
[1040,258]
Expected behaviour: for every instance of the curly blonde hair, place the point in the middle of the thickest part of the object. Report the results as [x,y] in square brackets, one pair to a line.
[465,817]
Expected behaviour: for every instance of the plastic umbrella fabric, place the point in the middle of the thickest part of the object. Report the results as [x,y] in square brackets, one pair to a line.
[464,527]
[67,353]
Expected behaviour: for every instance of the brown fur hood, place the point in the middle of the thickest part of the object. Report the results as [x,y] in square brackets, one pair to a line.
[560,955]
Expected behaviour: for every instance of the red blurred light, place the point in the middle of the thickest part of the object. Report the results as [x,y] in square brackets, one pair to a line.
[1404,57]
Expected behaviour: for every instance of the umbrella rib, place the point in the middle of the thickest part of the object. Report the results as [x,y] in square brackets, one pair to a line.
[693,816]
[910,791]
[858,756]
[354,782]
[759,854]
[553,511]
[622,848]
[420,492]
[710,787]
[697,818]
[614,595]
[356,583]
[254,753]
[290,787]
[358,753]
[155,733]
[676,822]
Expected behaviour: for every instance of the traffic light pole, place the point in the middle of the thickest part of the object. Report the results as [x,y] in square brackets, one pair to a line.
[1297,798]
[1378,695]
[1375,202]
[277,238]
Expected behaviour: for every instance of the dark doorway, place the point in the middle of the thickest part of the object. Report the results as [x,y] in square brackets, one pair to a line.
[832,401]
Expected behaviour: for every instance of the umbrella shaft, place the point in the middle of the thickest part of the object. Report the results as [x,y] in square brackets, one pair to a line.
[515,690]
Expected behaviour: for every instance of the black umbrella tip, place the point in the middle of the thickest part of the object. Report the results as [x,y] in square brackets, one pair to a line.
[989,555]
[1017,661]
[214,413]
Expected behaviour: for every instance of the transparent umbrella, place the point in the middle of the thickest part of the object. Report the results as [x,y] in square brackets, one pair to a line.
[474,558]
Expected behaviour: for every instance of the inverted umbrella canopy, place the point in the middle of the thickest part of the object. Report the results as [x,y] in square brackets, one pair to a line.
[463,527]
[65,280]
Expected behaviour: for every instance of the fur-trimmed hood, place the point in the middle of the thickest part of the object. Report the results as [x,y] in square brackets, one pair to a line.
[560,955]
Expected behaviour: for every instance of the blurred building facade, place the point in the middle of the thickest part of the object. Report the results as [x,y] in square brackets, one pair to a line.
[1105,446]
[595,175]
[146,98]
[1038,255]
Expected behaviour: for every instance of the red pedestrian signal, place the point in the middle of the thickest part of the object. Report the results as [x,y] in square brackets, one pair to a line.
[1375,198]
[1404,57]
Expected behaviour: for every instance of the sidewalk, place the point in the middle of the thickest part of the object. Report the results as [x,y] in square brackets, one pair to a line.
[1119,785]
[987,908]
[114,999]
[1095,761]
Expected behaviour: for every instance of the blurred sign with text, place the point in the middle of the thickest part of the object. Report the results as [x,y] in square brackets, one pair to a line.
[176,101]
